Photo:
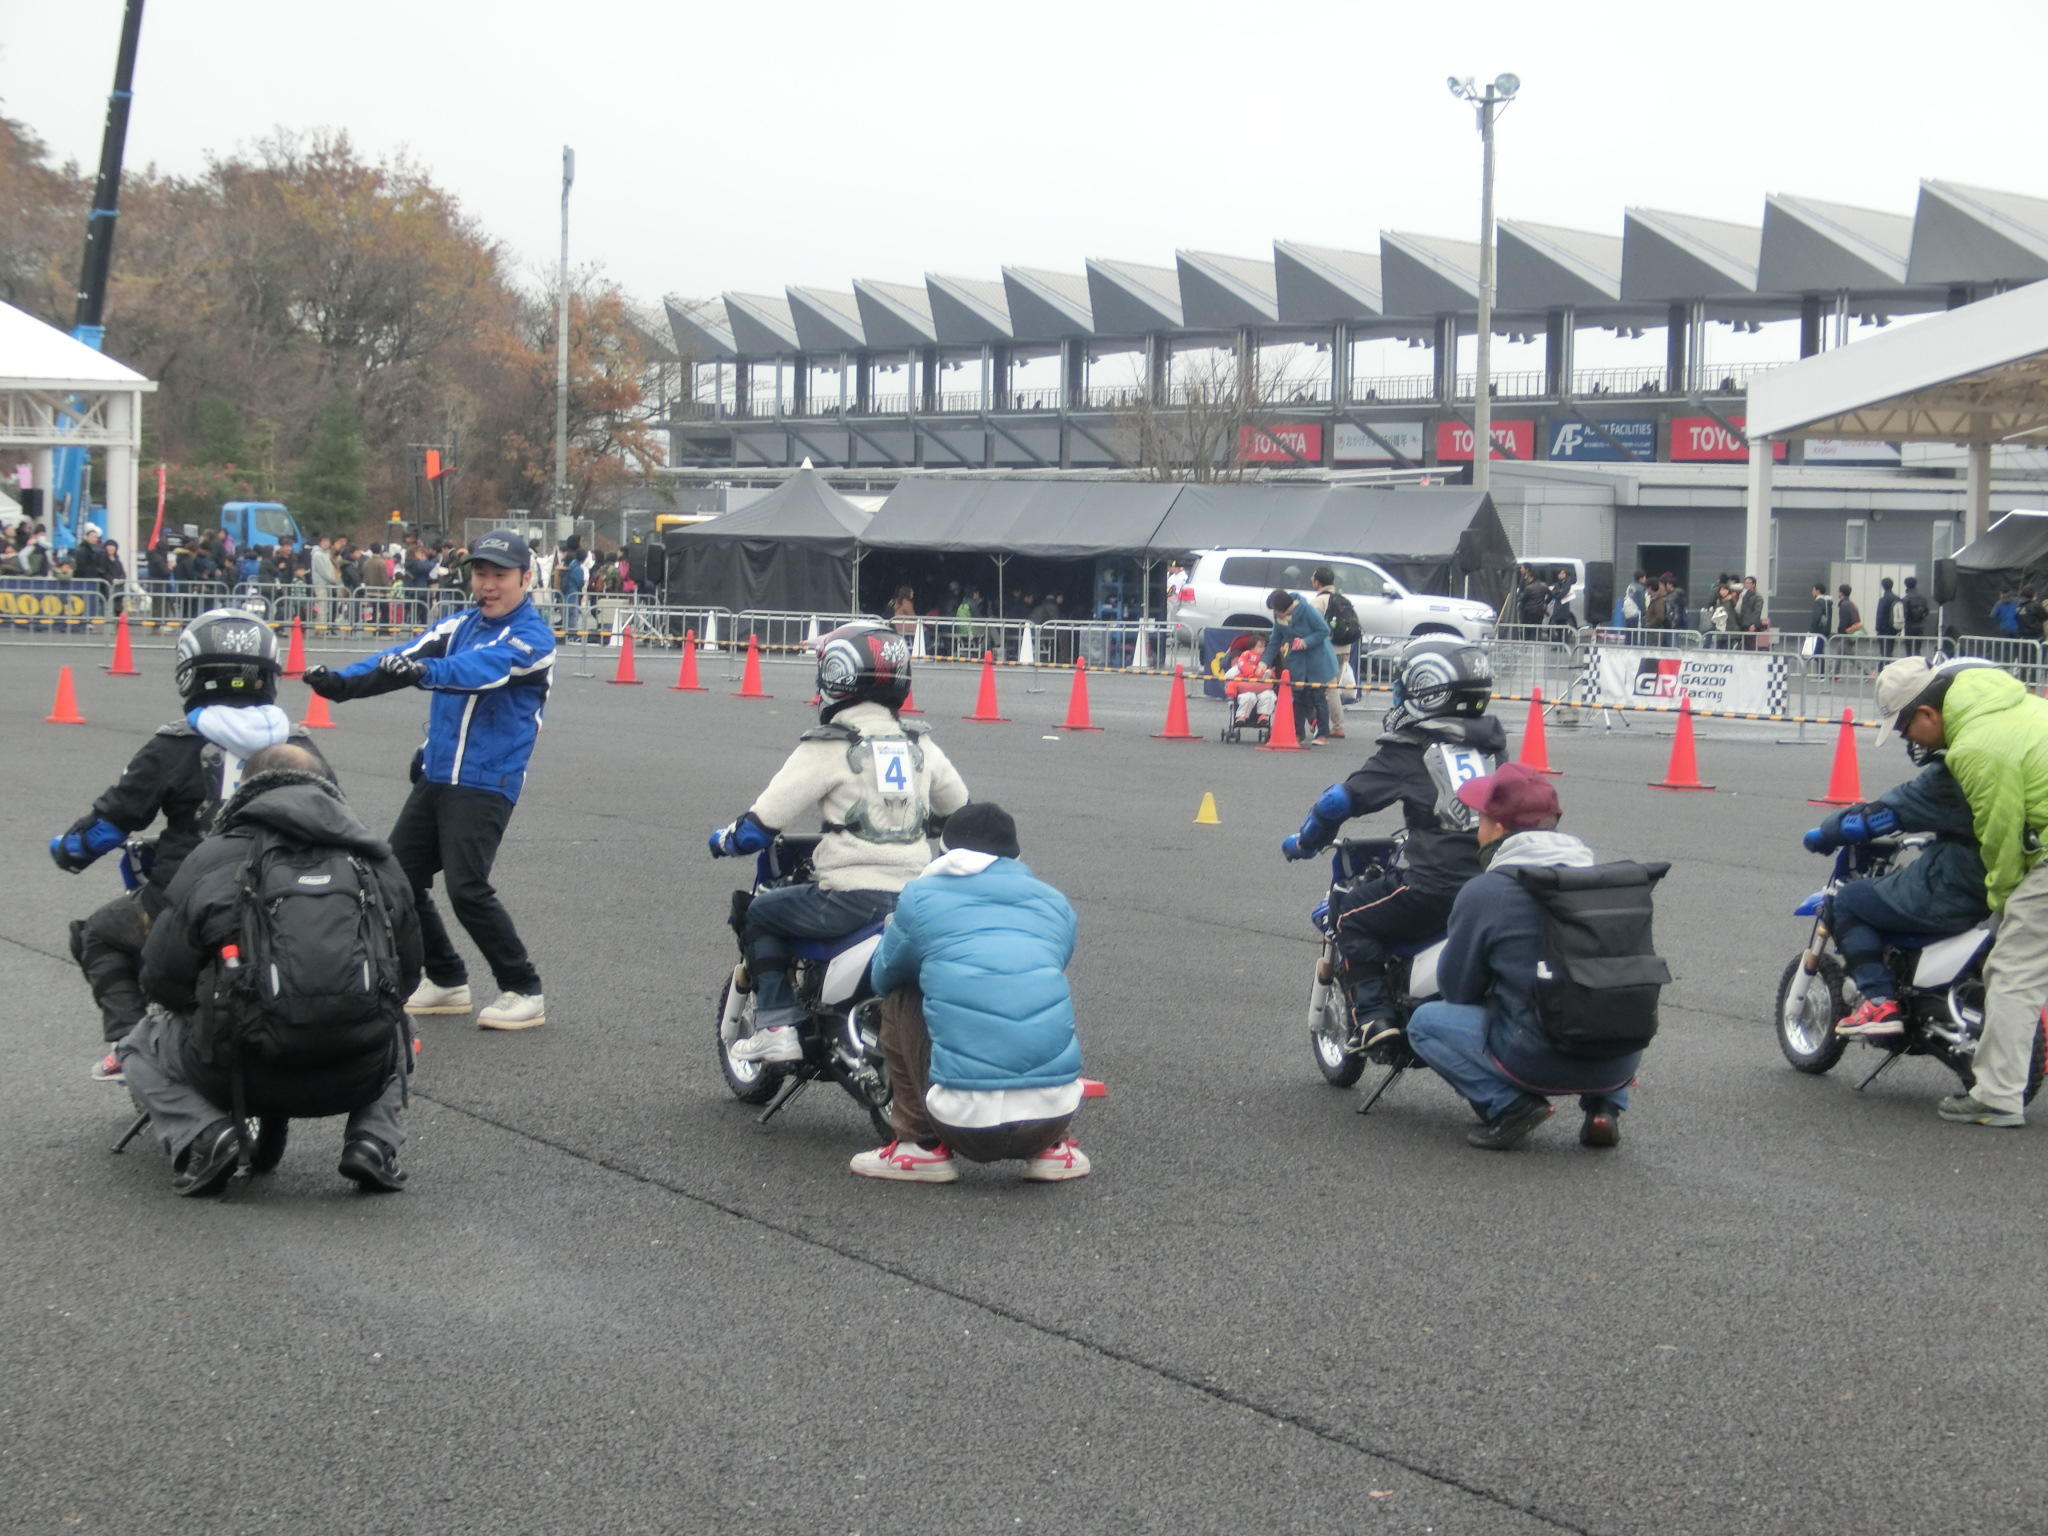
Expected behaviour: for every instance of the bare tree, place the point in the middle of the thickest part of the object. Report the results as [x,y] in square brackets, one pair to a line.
[1216,401]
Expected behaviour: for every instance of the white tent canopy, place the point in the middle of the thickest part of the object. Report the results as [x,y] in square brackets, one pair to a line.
[1976,375]
[56,392]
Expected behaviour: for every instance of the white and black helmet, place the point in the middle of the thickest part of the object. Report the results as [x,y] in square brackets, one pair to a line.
[1440,675]
[864,663]
[227,656]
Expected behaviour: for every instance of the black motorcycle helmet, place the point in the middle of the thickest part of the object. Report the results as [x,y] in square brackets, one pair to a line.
[227,656]
[1440,675]
[863,663]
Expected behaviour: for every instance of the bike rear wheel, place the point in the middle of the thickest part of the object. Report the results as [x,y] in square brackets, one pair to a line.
[1809,1007]
[270,1132]
[751,1082]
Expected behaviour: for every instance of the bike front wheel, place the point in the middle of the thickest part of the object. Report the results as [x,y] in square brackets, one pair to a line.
[751,1082]
[1809,1007]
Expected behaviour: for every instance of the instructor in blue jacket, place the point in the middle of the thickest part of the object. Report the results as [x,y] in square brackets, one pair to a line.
[977,1021]
[488,669]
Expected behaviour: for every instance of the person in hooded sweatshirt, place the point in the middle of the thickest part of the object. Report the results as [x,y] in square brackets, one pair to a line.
[226,674]
[1484,1038]
[977,1020]
[178,1062]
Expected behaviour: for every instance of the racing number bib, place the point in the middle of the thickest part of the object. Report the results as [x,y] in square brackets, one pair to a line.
[893,773]
[1450,767]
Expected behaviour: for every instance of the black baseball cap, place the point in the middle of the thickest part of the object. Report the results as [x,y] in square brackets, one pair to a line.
[502,547]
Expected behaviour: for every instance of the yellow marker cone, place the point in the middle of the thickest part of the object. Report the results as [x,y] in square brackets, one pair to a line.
[1206,816]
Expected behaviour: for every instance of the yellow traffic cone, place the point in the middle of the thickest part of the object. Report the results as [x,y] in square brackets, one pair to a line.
[1206,816]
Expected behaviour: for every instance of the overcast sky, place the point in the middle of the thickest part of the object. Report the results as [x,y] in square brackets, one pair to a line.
[751,146]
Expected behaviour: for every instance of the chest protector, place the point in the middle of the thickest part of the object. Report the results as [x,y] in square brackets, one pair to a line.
[891,806]
[1451,764]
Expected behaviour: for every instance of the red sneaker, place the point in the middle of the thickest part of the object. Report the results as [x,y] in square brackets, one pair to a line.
[1875,1019]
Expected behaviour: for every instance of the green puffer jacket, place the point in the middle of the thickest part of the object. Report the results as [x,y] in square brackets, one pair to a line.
[1998,751]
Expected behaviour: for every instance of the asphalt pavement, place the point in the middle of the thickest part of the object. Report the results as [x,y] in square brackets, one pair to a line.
[610,1302]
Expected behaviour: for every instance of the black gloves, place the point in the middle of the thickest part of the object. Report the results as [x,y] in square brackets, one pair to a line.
[408,672]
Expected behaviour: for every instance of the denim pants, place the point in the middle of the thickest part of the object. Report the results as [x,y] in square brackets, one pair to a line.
[1863,914]
[1452,1038]
[798,912]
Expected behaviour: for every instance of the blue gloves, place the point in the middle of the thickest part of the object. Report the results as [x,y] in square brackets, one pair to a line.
[746,835]
[1331,810]
[1857,824]
[87,839]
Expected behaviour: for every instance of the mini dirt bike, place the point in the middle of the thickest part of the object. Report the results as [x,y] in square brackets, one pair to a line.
[841,1018]
[1939,981]
[1334,1037]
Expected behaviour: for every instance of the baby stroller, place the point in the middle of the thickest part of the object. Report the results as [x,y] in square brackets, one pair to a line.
[1216,661]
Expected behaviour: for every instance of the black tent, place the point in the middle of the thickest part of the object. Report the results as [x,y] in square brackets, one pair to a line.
[796,550]
[1049,519]
[2010,554]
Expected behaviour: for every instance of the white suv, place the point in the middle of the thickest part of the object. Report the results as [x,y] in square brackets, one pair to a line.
[1226,589]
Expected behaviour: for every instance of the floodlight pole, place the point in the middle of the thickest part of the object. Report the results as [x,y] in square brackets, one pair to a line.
[1485,105]
[563,506]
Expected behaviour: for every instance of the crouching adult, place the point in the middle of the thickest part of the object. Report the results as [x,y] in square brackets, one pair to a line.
[977,1020]
[1489,1037]
[277,976]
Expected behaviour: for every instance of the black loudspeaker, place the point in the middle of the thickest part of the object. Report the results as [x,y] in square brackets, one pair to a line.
[1599,592]
[32,504]
[1944,581]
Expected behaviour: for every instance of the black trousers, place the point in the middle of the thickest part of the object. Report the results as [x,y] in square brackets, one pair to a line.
[108,948]
[452,832]
[1374,915]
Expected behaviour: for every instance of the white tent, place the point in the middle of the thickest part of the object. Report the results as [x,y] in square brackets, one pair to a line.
[1977,375]
[44,376]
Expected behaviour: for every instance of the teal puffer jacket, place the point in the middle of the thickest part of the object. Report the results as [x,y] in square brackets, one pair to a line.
[990,950]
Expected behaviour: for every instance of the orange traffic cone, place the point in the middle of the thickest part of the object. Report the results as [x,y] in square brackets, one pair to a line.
[1684,772]
[317,716]
[1535,753]
[1845,782]
[124,651]
[985,711]
[295,653]
[65,710]
[1077,701]
[1282,737]
[1176,711]
[750,675]
[909,703]
[625,673]
[686,674]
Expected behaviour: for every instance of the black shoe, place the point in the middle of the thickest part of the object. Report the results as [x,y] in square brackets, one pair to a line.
[1507,1129]
[268,1152]
[371,1164]
[208,1162]
[1601,1128]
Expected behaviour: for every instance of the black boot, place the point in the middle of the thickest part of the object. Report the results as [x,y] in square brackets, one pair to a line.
[208,1161]
[371,1164]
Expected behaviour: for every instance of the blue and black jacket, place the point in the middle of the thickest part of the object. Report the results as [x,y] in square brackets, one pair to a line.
[490,680]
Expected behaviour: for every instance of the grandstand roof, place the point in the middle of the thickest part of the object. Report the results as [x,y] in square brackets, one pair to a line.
[1803,248]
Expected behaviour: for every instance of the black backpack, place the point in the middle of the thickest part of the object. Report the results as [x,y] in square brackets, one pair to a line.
[1916,608]
[1597,988]
[316,990]
[1343,619]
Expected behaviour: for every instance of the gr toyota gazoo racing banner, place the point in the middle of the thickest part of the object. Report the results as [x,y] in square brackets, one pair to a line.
[1724,682]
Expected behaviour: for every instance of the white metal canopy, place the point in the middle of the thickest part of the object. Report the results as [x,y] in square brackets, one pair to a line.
[1976,375]
[56,392]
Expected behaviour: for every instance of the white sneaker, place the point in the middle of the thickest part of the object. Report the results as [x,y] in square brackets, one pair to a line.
[432,997]
[513,1010]
[908,1161]
[779,1044]
[108,1069]
[1061,1160]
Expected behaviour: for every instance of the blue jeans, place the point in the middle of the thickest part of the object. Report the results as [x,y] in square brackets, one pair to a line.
[1452,1038]
[798,912]
[1863,914]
